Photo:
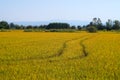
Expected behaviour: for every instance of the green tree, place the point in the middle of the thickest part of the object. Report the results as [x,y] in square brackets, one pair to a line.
[97,23]
[73,27]
[4,25]
[116,25]
[94,22]
[79,27]
[12,25]
[17,26]
[58,26]
[109,24]
[29,27]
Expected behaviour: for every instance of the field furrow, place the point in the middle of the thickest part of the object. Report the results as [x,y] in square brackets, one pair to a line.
[75,48]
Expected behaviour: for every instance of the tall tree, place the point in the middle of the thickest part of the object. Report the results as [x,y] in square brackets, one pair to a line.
[12,25]
[109,24]
[94,21]
[99,24]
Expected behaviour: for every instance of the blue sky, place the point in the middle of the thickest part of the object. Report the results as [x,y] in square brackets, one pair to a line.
[45,10]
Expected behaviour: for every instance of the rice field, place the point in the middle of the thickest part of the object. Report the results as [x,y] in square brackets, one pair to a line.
[59,56]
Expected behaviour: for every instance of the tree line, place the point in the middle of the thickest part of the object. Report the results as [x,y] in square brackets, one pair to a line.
[96,23]
[109,25]
[6,25]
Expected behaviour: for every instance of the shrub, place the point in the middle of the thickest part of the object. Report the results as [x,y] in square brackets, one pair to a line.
[62,30]
[28,30]
[4,30]
[92,29]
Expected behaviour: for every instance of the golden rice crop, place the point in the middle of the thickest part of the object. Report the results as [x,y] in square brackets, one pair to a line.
[59,56]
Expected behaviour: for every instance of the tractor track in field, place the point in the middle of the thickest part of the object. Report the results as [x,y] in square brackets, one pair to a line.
[60,52]
[84,54]
[83,47]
